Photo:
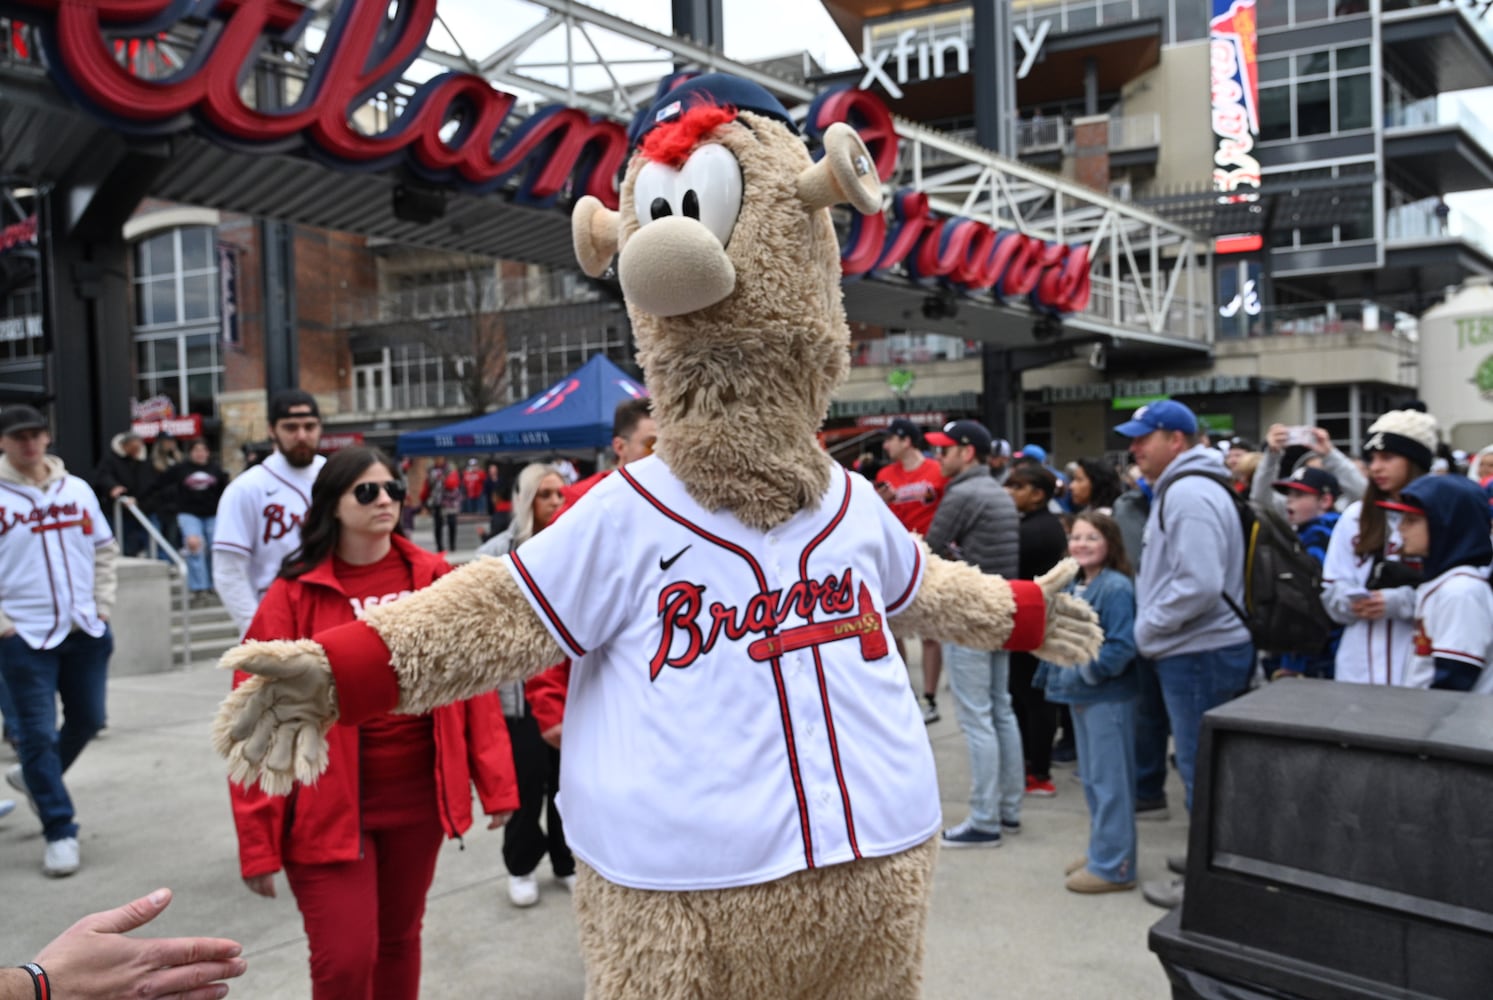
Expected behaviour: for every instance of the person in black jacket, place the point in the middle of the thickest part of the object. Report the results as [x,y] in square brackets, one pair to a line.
[1043,545]
[125,476]
[196,483]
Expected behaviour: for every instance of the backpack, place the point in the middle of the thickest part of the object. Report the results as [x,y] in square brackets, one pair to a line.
[1282,581]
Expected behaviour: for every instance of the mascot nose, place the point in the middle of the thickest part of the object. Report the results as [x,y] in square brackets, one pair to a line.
[673,266]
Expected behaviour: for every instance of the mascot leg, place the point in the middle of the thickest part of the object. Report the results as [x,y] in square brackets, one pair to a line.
[850,930]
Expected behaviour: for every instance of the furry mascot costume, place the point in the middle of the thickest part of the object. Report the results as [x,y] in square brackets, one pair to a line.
[748,783]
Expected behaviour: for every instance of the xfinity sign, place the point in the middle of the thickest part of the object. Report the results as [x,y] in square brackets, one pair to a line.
[903,60]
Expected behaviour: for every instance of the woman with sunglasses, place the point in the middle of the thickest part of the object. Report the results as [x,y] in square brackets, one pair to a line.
[536,756]
[359,846]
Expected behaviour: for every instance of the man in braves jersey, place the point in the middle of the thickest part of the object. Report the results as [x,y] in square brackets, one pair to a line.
[259,517]
[1445,520]
[912,485]
[57,588]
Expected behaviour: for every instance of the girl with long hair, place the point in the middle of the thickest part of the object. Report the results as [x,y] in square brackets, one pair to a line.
[1102,695]
[359,846]
[1367,586]
[1095,485]
[537,500]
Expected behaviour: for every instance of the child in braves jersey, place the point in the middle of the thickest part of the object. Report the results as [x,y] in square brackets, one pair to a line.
[1446,520]
[359,846]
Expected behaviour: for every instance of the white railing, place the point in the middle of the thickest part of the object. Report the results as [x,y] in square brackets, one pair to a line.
[158,547]
[1034,134]
[1432,219]
[1436,111]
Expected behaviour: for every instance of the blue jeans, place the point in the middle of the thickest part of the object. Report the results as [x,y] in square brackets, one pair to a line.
[199,570]
[77,671]
[1151,733]
[1105,734]
[7,709]
[979,680]
[1192,683]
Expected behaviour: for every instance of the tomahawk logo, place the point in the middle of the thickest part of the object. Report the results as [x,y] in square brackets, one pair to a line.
[553,397]
[855,617]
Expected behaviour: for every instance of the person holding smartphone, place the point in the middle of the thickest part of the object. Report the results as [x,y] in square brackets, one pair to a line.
[1288,448]
[1367,583]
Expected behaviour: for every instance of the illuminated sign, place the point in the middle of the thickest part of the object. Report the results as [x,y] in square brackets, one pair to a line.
[961,253]
[1235,89]
[932,57]
[366,50]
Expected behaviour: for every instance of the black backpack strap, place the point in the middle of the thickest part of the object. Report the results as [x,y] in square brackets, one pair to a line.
[1161,495]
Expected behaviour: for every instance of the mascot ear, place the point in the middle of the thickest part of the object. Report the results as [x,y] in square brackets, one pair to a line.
[846,173]
[594,229]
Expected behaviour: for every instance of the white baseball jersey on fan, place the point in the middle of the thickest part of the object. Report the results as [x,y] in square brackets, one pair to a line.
[48,538]
[737,710]
[260,515]
[1371,651]
[1454,621]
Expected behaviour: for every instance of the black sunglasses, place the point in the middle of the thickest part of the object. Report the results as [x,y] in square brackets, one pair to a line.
[367,493]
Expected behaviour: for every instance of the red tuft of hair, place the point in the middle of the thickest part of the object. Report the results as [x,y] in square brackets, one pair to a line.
[672,142]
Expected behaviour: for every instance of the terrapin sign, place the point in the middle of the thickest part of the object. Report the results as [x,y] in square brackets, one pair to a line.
[557,151]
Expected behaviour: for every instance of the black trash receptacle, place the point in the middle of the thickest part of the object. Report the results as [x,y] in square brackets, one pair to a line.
[1341,846]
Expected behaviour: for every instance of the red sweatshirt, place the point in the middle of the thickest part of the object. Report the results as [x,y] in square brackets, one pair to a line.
[391,758]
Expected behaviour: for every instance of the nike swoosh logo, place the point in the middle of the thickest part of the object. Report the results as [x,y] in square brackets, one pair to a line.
[664,564]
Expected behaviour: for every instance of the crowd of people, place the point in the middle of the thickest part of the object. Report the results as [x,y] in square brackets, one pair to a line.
[300,542]
[1401,535]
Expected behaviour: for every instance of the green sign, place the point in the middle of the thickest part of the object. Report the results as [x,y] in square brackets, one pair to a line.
[1134,402]
[900,380]
[1484,378]
[1218,424]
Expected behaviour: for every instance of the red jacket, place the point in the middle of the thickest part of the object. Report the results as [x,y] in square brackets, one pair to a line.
[546,692]
[321,823]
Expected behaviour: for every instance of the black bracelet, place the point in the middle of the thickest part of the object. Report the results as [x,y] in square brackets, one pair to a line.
[39,981]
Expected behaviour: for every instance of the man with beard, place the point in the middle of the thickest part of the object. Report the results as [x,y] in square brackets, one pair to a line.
[259,517]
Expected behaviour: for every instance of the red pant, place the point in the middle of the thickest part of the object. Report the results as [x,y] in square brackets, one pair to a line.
[363,917]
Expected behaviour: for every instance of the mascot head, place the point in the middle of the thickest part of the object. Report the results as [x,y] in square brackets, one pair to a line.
[730,268]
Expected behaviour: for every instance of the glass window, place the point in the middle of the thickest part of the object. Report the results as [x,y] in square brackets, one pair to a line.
[176,308]
[199,296]
[1273,13]
[1275,69]
[1312,63]
[156,302]
[1360,227]
[1353,58]
[1192,19]
[1118,12]
[1354,100]
[1275,113]
[1313,107]
[1311,10]
[196,249]
[158,255]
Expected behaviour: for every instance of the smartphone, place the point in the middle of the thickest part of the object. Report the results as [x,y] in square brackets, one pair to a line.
[1300,434]
[1358,594]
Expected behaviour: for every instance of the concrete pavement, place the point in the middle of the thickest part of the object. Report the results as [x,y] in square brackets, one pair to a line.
[154,808]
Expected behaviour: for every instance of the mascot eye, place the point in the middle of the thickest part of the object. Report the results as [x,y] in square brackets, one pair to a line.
[654,193]
[709,186]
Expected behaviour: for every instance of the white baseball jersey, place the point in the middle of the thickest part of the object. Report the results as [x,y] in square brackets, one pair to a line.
[1370,652]
[260,515]
[737,710]
[1454,621]
[48,538]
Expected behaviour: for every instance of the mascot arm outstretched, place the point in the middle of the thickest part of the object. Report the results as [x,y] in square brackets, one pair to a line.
[958,603]
[469,632]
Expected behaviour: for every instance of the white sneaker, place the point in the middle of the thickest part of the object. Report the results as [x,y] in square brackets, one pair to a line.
[62,857]
[16,780]
[568,881]
[523,890]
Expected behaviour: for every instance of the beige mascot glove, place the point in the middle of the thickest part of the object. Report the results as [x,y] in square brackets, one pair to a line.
[274,725]
[1073,635]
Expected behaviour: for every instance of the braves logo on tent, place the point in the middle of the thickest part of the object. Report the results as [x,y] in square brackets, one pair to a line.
[631,388]
[553,397]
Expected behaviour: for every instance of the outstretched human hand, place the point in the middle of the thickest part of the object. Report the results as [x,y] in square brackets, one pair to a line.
[273,726]
[94,960]
[1073,635]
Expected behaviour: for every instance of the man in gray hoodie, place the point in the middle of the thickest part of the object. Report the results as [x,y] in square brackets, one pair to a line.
[1194,559]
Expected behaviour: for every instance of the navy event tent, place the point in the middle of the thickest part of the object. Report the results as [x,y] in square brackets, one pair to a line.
[574,414]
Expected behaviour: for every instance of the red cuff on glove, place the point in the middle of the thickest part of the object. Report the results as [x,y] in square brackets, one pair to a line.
[1029,625]
[362,668]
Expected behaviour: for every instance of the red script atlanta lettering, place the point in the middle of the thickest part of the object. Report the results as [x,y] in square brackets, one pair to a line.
[277,523]
[680,606]
[368,46]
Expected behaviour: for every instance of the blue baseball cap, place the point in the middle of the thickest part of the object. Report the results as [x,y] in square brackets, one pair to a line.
[676,96]
[1035,451]
[1162,415]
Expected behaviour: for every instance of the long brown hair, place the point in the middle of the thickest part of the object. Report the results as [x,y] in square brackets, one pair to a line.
[320,529]
[1114,542]
[1373,523]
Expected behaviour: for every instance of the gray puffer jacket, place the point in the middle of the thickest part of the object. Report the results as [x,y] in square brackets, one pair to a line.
[977,523]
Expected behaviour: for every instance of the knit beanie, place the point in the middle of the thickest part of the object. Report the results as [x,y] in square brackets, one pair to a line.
[1411,433]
